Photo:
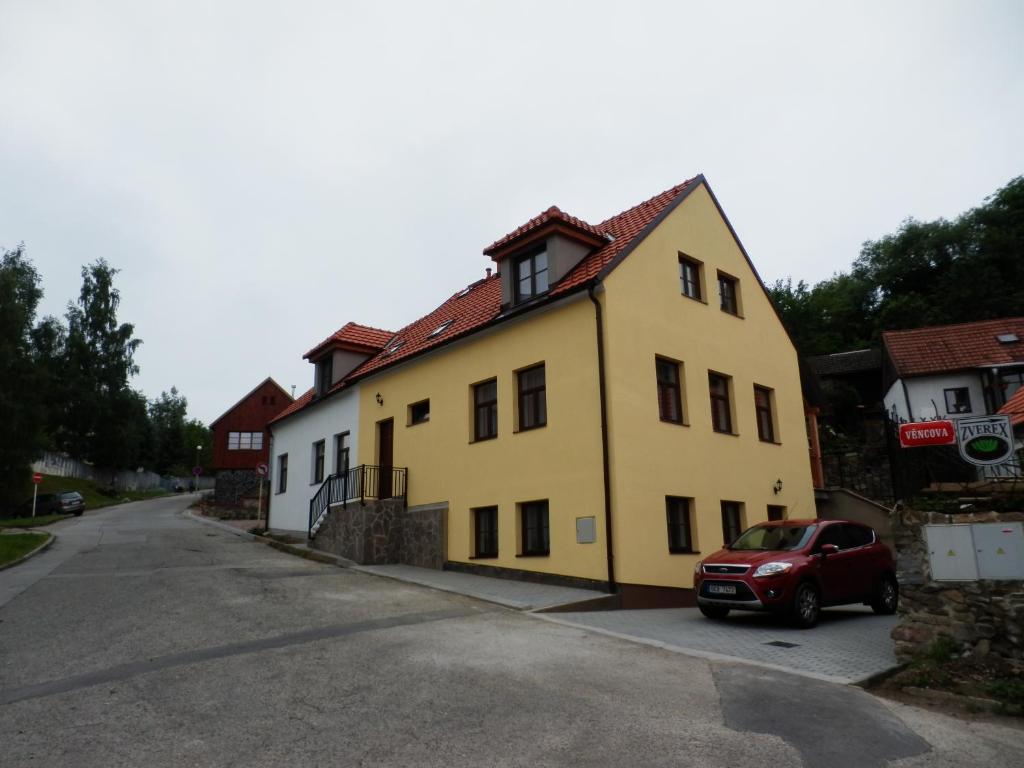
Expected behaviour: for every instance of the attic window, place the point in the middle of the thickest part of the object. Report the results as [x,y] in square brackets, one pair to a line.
[1007,338]
[464,292]
[441,328]
[394,348]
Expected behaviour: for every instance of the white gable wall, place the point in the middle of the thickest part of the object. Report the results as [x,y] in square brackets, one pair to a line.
[295,436]
[928,398]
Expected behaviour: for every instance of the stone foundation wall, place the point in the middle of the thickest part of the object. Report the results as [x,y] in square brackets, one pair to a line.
[235,485]
[385,532]
[981,616]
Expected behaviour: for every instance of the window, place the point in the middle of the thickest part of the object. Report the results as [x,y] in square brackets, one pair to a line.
[441,328]
[721,409]
[324,374]
[763,409]
[680,531]
[776,513]
[728,292]
[534,515]
[732,525]
[689,277]
[531,276]
[264,399]
[318,461]
[858,535]
[419,412]
[533,403]
[394,348]
[273,399]
[245,441]
[958,400]
[485,410]
[282,473]
[485,532]
[341,452]
[670,404]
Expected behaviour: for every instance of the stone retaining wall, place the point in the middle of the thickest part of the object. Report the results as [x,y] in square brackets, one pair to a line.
[385,532]
[235,485]
[981,616]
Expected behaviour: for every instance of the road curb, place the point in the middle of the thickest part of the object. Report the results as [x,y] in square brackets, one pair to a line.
[304,552]
[512,604]
[41,548]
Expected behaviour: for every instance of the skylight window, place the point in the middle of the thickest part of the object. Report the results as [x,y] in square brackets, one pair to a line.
[394,348]
[463,292]
[441,328]
[1007,338]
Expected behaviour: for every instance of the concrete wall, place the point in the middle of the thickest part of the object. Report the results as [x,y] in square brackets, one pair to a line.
[289,511]
[928,399]
[385,532]
[843,504]
[59,465]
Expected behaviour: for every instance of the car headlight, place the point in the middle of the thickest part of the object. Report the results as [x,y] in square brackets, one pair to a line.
[697,567]
[772,569]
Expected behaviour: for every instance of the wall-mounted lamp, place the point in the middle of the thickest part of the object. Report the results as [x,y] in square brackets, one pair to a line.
[777,487]
[380,400]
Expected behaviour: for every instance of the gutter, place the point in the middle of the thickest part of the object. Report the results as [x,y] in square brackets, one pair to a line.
[598,320]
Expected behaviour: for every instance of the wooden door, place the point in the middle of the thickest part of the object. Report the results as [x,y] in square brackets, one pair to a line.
[385,458]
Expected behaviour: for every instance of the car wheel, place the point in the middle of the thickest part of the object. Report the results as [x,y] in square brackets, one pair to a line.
[714,611]
[806,606]
[887,598]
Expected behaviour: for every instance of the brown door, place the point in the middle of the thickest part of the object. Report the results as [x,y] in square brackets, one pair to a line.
[385,459]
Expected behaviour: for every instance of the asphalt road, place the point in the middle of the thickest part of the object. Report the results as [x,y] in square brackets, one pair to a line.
[142,638]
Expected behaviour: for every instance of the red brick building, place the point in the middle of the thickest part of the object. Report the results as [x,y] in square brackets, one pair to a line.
[241,441]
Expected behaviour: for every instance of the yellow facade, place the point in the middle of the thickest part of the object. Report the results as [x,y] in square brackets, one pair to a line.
[645,315]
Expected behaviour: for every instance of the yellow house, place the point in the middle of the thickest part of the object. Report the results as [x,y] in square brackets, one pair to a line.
[617,400]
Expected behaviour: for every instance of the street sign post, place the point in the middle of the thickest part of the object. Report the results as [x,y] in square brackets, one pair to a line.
[261,470]
[36,480]
[920,434]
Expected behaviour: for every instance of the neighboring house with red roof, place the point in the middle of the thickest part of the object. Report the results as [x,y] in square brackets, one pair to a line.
[1014,408]
[617,399]
[240,440]
[946,371]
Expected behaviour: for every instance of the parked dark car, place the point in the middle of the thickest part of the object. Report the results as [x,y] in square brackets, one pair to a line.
[60,503]
[797,567]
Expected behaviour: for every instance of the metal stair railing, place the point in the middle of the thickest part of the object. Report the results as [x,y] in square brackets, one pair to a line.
[366,481]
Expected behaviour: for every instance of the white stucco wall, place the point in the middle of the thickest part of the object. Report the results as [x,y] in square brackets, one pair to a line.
[289,511]
[928,397]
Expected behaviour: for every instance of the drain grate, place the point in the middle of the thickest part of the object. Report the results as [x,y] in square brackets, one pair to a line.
[783,644]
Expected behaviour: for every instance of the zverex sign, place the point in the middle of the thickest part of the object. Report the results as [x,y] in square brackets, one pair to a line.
[920,434]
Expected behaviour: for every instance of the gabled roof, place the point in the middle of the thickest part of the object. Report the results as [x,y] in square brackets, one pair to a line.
[300,402]
[250,393]
[856,361]
[1014,408]
[945,348]
[553,216]
[353,337]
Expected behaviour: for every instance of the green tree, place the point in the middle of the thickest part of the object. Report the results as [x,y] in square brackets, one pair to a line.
[22,434]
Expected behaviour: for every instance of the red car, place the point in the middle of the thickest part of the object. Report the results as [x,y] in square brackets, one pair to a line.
[796,567]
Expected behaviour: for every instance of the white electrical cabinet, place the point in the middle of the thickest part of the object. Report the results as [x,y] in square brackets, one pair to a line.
[968,552]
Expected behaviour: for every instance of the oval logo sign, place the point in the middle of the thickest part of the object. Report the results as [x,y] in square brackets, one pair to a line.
[985,440]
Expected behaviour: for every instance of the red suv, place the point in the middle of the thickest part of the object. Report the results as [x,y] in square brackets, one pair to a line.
[796,567]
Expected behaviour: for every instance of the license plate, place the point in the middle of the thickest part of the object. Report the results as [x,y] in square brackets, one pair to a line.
[721,589]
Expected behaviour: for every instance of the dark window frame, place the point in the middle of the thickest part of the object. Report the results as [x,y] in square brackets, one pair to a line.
[252,441]
[730,525]
[342,452]
[691,288]
[776,513]
[725,399]
[729,294]
[679,517]
[485,538]
[491,408]
[535,516]
[536,394]
[518,297]
[282,473]
[319,458]
[670,389]
[419,416]
[764,414]
[950,407]
[324,374]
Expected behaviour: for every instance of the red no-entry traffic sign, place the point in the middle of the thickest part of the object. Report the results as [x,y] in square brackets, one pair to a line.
[37,478]
[920,434]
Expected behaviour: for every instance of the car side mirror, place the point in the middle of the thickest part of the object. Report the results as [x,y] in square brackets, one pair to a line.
[828,549]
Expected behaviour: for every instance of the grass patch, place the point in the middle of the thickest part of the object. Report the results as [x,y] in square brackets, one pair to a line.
[95,496]
[32,522]
[16,545]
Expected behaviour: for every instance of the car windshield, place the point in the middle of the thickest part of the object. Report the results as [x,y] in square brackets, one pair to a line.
[774,538]
[70,496]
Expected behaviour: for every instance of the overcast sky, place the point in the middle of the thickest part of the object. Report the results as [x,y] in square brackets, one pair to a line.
[263,172]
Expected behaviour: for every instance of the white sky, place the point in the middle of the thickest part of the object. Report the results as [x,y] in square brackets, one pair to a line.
[264,172]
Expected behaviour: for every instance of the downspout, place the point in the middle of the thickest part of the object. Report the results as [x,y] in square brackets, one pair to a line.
[906,398]
[612,586]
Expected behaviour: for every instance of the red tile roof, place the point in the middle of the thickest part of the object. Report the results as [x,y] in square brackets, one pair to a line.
[480,303]
[1014,408]
[943,348]
[361,338]
[551,215]
[300,402]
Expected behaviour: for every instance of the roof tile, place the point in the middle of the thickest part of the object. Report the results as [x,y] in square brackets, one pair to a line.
[354,334]
[1014,408]
[941,348]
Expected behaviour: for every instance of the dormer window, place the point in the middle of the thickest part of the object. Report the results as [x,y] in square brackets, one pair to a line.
[441,328]
[324,374]
[531,273]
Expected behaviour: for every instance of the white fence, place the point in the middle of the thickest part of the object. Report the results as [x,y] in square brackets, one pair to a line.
[61,465]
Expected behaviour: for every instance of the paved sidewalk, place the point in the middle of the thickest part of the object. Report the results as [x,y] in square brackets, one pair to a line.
[850,644]
[521,595]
